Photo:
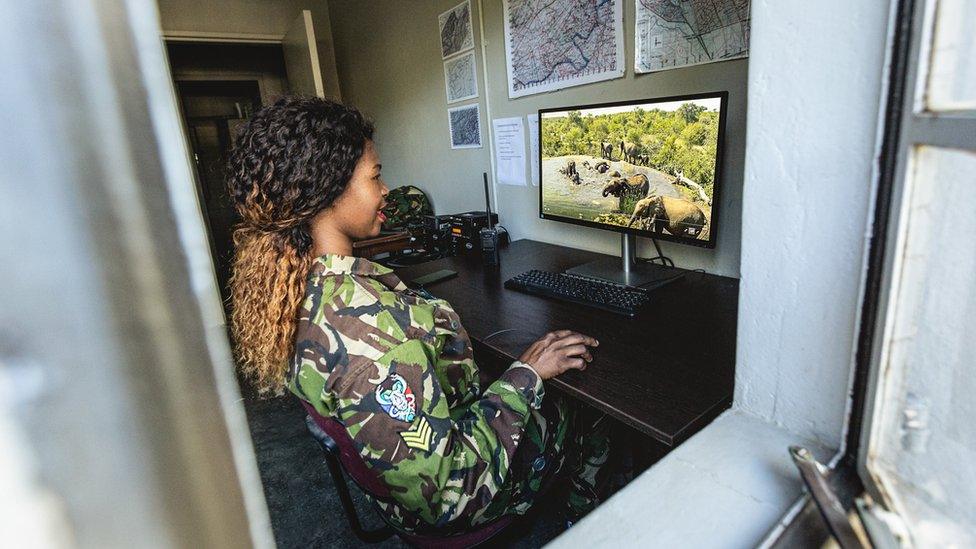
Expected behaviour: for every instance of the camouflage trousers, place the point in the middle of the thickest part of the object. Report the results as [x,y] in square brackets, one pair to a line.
[565,441]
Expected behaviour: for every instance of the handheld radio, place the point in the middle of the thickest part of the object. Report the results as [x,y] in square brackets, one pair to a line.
[489,235]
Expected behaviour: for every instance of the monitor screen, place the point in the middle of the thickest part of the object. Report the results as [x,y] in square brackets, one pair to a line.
[646,167]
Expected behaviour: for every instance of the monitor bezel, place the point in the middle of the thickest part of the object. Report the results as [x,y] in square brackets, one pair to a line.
[716,187]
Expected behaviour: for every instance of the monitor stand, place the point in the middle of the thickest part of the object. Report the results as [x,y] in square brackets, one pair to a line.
[627,270]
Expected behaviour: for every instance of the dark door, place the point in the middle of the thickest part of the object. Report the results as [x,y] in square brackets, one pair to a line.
[213,110]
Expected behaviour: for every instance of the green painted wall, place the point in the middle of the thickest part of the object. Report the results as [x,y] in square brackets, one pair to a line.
[268,18]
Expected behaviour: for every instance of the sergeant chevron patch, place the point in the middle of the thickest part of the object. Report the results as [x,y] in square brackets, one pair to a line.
[419,435]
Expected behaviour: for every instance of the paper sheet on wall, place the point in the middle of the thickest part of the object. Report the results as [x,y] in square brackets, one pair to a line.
[533,120]
[509,150]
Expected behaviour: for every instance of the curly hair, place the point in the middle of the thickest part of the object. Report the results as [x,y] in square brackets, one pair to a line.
[290,161]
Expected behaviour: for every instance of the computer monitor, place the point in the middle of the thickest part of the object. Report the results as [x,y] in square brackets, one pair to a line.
[646,167]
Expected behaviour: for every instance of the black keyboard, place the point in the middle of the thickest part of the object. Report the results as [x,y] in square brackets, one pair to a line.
[590,292]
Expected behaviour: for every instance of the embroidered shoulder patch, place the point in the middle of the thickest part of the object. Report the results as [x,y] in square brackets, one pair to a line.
[419,435]
[395,397]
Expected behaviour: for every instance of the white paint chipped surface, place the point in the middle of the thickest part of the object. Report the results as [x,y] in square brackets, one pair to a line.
[814,90]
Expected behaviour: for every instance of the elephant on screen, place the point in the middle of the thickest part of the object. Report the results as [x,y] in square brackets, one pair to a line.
[630,151]
[571,173]
[678,216]
[636,185]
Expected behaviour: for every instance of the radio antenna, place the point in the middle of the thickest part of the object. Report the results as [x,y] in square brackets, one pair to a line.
[487,201]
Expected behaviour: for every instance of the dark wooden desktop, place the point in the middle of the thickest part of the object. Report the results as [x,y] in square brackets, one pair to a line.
[667,372]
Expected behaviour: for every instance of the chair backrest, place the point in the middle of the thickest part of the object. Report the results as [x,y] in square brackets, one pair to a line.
[349,457]
[368,480]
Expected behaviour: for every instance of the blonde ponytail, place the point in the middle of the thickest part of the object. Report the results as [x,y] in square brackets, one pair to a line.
[267,289]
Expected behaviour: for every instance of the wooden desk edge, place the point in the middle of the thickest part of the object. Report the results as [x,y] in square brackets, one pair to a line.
[680,436]
[703,419]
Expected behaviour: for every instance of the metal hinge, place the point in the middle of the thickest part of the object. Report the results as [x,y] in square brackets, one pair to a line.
[814,475]
[886,529]
[871,527]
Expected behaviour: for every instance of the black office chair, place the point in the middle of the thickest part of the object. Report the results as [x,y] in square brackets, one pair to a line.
[341,455]
[332,453]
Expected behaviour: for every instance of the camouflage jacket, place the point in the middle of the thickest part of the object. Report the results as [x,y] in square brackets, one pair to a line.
[397,370]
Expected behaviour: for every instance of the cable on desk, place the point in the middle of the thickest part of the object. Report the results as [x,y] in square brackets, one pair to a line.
[499,332]
[664,260]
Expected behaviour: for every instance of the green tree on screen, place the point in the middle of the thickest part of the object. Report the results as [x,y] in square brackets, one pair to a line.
[683,140]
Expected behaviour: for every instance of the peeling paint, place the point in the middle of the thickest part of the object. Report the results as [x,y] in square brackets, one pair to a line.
[815,87]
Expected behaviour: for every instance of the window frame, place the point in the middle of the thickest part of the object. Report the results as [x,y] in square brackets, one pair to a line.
[908,123]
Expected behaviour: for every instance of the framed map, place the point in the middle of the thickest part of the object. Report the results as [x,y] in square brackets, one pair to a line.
[681,33]
[455,27]
[461,77]
[555,44]
[465,125]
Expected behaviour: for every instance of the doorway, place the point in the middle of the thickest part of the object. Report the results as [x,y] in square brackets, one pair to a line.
[213,110]
[218,87]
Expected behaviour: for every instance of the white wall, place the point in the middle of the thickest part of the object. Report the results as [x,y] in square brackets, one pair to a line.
[389,61]
[519,205]
[254,17]
[814,89]
[394,73]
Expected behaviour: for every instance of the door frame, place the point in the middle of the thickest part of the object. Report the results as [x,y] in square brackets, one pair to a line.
[222,37]
[195,75]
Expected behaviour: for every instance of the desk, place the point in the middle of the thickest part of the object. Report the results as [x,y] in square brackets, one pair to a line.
[667,372]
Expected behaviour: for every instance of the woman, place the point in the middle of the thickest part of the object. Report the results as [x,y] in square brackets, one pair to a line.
[345,334]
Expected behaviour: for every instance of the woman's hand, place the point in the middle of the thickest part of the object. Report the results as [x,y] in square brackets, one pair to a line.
[559,351]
